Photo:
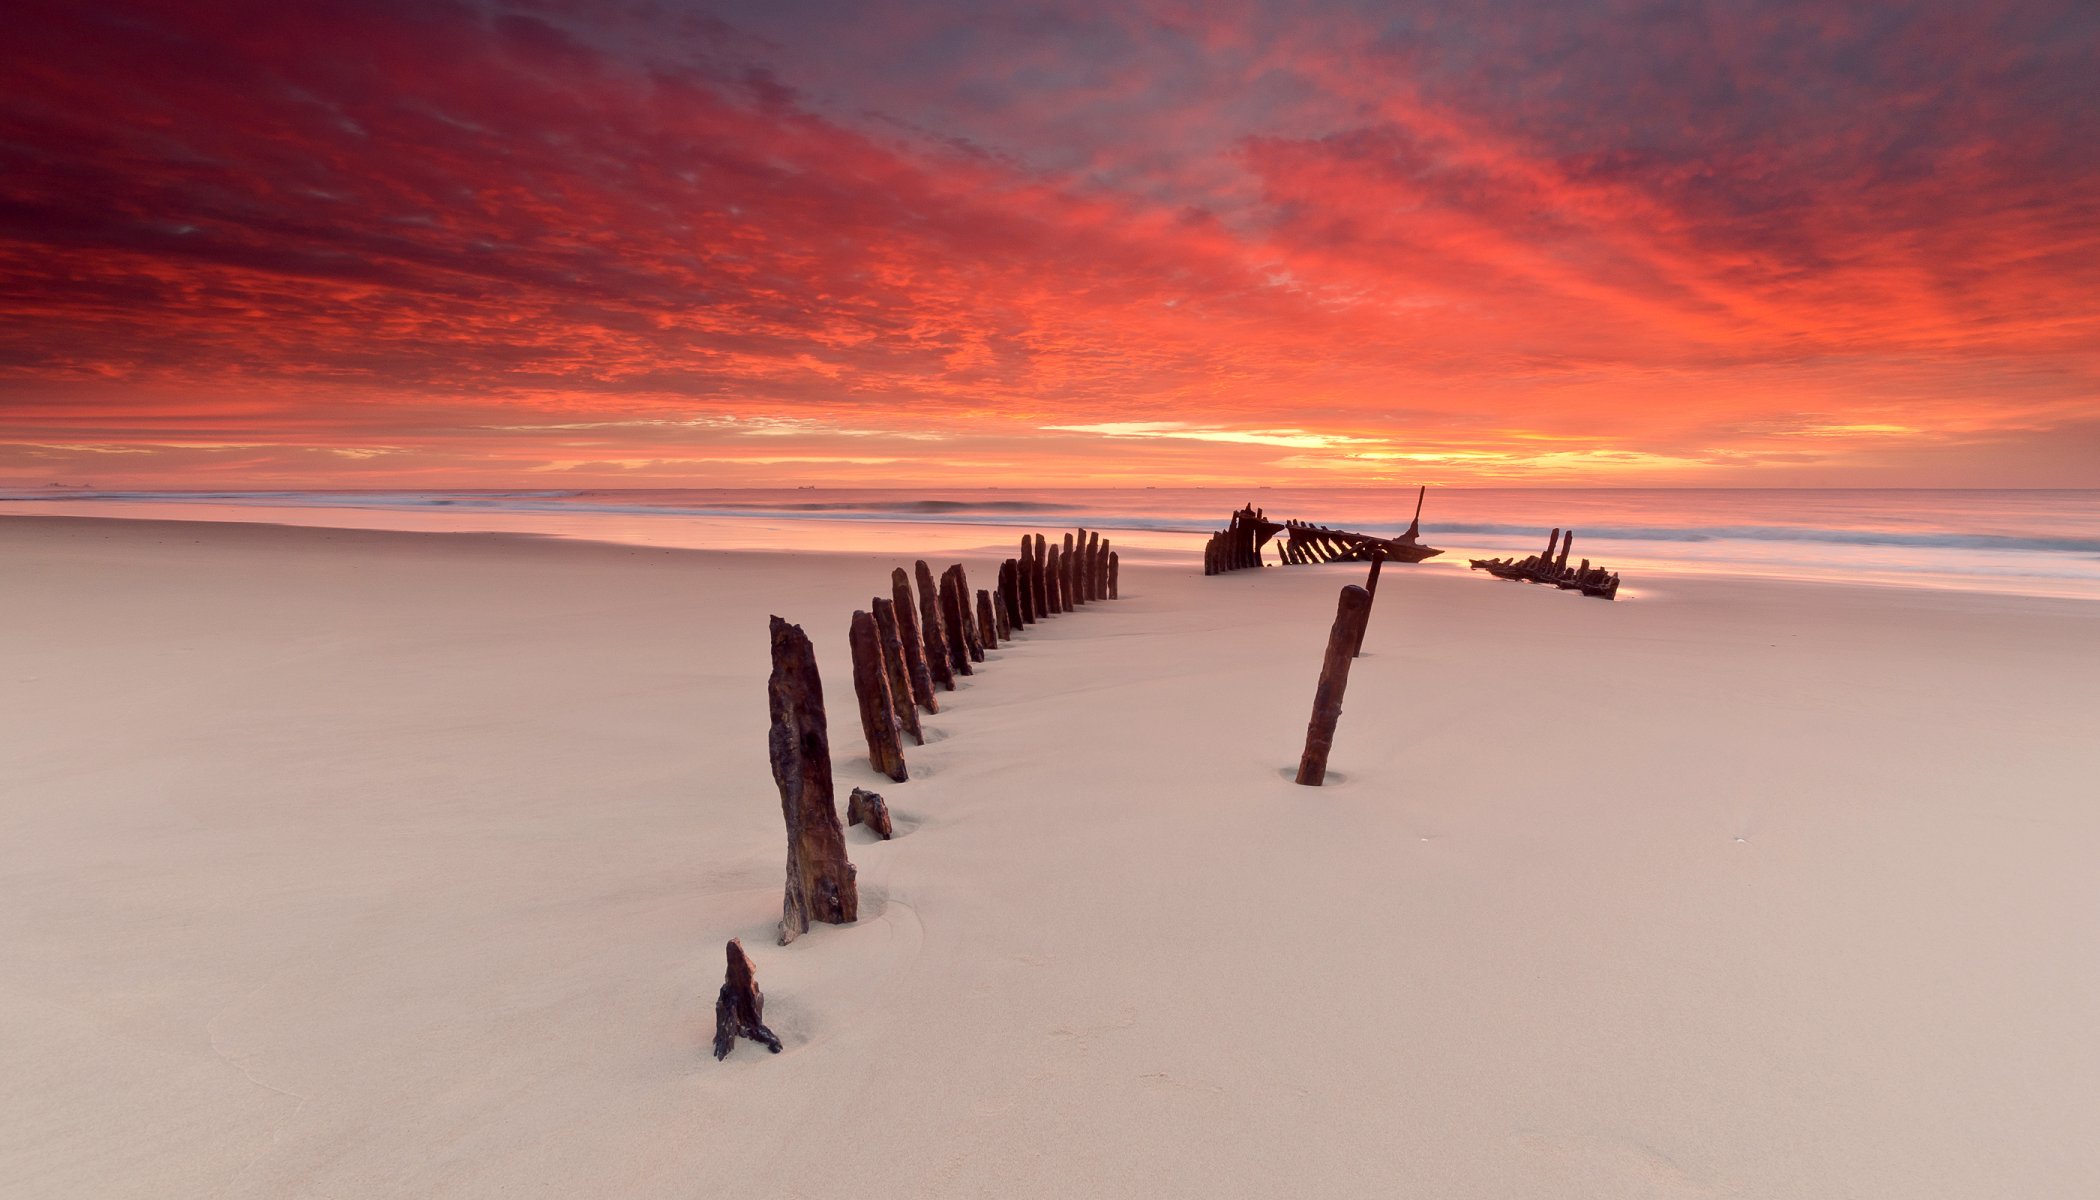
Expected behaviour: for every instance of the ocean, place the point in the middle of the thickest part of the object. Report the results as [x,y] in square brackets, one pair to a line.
[2027,542]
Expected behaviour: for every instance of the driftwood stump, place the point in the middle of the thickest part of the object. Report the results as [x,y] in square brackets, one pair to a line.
[987,620]
[871,687]
[1342,641]
[740,1008]
[938,659]
[864,807]
[896,669]
[820,883]
[1113,593]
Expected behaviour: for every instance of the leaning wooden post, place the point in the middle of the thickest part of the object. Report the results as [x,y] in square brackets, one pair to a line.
[1112,564]
[871,687]
[895,666]
[740,1008]
[820,884]
[1342,639]
[938,660]
[913,641]
[1370,588]
[956,647]
[987,620]
[1001,618]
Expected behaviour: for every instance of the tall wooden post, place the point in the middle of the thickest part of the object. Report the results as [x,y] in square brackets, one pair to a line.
[913,641]
[1342,639]
[1113,594]
[987,620]
[1053,581]
[896,668]
[938,660]
[973,641]
[952,620]
[871,687]
[1013,597]
[820,884]
[1042,580]
[1001,628]
[1024,581]
[1071,595]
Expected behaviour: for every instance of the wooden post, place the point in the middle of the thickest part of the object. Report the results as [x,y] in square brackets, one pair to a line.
[871,687]
[1041,581]
[895,665]
[1342,639]
[1560,564]
[1112,565]
[938,660]
[1053,581]
[1001,619]
[1011,598]
[977,639]
[1024,581]
[1067,581]
[1370,589]
[952,619]
[1097,567]
[987,620]
[740,1008]
[913,642]
[820,884]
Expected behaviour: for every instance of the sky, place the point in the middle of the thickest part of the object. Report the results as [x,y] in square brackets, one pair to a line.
[1515,242]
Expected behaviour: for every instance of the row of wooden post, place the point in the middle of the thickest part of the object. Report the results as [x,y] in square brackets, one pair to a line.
[906,649]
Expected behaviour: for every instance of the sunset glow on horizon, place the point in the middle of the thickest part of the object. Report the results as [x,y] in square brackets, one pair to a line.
[1510,242]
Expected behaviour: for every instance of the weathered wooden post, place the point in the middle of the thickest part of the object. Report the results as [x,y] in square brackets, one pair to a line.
[1069,581]
[987,620]
[1342,639]
[1560,564]
[965,615]
[740,1008]
[952,618]
[895,666]
[820,885]
[871,687]
[1042,580]
[1113,594]
[1370,589]
[938,659]
[913,642]
[1024,581]
[1003,626]
[1053,582]
[1097,565]
[1011,599]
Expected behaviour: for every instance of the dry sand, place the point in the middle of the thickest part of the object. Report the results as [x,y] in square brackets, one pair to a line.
[340,863]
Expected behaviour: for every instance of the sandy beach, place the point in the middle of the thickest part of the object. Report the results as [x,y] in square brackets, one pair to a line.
[350,863]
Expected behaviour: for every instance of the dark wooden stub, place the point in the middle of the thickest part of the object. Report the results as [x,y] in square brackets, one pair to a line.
[1342,640]
[938,658]
[740,1008]
[864,807]
[1371,589]
[1113,594]
[820,884]
[913,642]
[871,687]
[897,669]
